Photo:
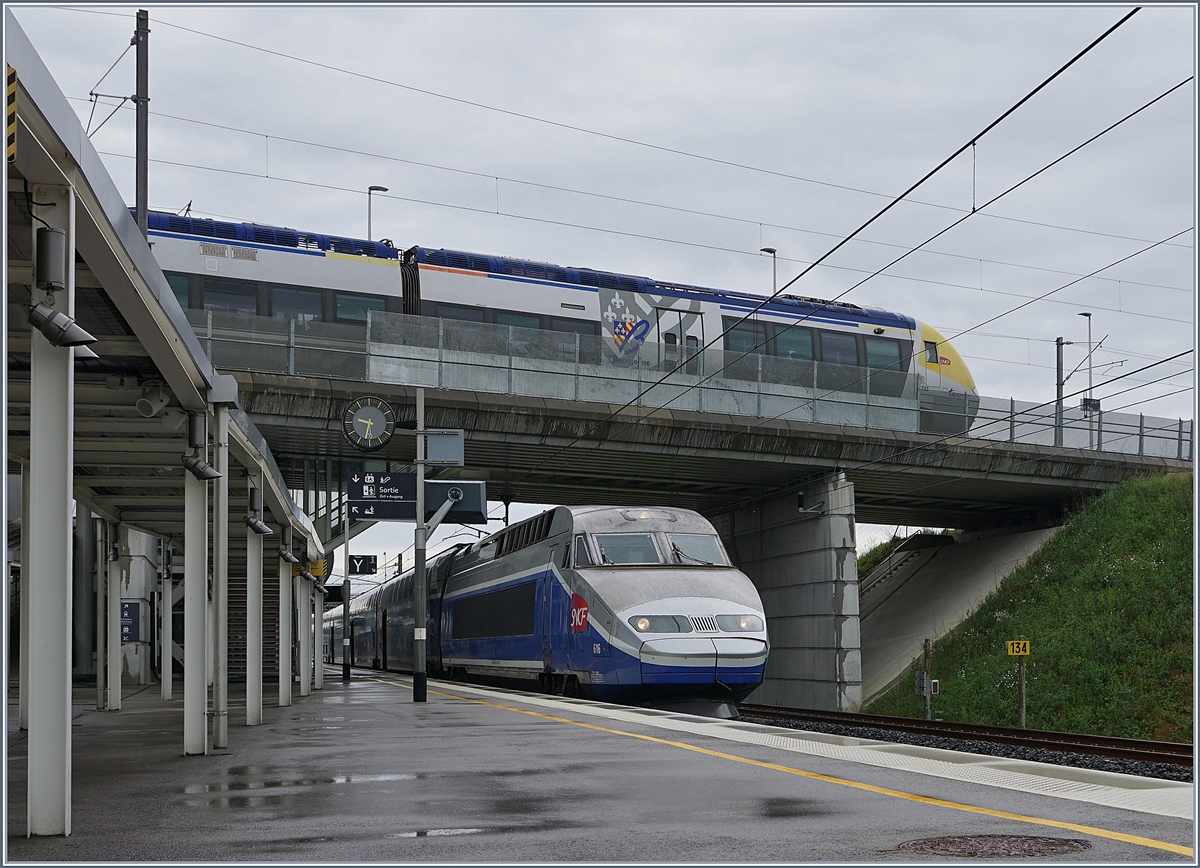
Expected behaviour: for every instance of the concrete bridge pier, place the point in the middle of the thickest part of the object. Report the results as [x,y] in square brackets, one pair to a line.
[799,551]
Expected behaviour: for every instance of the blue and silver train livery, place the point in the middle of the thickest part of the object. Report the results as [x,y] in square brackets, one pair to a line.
[247,268]
[636,606]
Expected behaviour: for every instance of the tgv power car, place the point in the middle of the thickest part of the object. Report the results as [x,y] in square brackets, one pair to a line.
[270,271]
[637,606]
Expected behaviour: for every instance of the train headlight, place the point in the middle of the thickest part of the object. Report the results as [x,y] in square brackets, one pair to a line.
[740,623]
[660,624]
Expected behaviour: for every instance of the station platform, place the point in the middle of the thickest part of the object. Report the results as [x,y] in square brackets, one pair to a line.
[359,773]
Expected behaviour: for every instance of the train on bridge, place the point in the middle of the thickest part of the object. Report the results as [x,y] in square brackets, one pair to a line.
[635,606]
[248,268]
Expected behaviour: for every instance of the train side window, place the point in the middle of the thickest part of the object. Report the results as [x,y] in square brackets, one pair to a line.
[230,296]
[520,320]
[582,558]
[747,337]
[931,352]
[300,304]
[839,349]
[883,353]
[794,343]
[353,307]
[579,326]
[461,312]
[179,286]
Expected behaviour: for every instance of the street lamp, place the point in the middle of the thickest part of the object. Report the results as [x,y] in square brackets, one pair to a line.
[774,277]
[374,188]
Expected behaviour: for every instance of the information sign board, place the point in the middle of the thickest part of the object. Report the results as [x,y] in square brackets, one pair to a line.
[1018,648]
[363,565]
[131,621]
[388,496]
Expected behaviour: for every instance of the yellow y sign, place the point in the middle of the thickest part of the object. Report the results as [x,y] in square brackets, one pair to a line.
[1018,648]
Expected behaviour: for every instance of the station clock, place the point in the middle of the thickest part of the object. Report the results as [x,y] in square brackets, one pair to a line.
[368,423]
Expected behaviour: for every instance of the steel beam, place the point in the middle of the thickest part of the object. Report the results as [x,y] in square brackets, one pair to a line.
[113,620]
[304,621]
[23,648]
[221,582]
[47,563]
[254,627]
[285,628]
[318,633]
[195,611]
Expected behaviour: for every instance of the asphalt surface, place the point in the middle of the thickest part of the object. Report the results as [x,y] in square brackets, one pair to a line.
[360,773]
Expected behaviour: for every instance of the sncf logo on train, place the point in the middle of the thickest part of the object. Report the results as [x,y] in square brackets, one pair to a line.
[579,613]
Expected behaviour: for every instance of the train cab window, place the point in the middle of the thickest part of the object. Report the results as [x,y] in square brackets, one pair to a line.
[883,353]
[299,304]
[627,548]
[582,557]
[520,320]
[931,352]
[839,349]
[353,308]
[794,343]
[699,549]
[179,286]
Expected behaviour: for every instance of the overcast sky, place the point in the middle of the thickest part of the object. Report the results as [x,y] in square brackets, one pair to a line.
[826,112]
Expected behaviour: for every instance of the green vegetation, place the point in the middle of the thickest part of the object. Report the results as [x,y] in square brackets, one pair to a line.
[1107,607]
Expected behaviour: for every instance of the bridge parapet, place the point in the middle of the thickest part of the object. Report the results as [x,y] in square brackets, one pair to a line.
[454,355]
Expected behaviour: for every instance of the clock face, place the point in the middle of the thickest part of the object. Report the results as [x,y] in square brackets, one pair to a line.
[368,424]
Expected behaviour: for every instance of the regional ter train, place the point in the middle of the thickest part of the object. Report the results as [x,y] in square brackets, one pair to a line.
[636,606]
[270,271]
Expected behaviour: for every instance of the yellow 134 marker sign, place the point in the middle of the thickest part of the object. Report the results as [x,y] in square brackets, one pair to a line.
[1018,648]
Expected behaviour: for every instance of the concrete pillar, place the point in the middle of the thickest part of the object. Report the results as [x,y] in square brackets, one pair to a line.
[84,600]
[23,647]
[195,611]
[166,622]
[101,615]
[221,582]
[799,551]
[47,563]
[112,610]
[254,627]
[304,622]
[285,630]
[318,660]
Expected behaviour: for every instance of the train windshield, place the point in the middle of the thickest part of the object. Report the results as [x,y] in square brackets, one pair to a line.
[697,548]
[627,548]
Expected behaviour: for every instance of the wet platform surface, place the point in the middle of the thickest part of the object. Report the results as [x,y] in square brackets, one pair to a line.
[359,773]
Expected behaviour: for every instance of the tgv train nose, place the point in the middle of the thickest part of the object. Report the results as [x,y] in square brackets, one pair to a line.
[696,660]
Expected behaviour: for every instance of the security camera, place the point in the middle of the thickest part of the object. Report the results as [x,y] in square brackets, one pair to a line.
[455,494]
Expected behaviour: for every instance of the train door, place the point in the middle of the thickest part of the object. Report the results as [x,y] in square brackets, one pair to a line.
[383,639]
[560,613]
[680,334]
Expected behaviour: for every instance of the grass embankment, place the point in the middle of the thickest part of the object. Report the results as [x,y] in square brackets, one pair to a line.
[1107,607]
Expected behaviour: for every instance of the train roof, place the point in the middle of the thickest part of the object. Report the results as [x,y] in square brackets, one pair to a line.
[278,236]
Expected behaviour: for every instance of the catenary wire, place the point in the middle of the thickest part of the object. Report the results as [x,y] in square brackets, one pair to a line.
[643,203]
[632,141]
[816,398]
[623,233]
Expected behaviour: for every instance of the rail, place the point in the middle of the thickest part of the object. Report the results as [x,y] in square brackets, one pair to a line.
[1098,745]
[509,360]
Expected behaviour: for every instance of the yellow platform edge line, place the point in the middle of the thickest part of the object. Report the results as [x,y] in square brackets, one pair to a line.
[884,791]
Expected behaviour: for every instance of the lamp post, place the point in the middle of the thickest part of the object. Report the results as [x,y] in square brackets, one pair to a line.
[774,273]
[374,188]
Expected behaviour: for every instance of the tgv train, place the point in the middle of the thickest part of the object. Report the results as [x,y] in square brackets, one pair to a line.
[270,271]
[637,606]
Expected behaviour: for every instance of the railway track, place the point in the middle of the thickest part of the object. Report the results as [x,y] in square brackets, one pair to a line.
[1114,748]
